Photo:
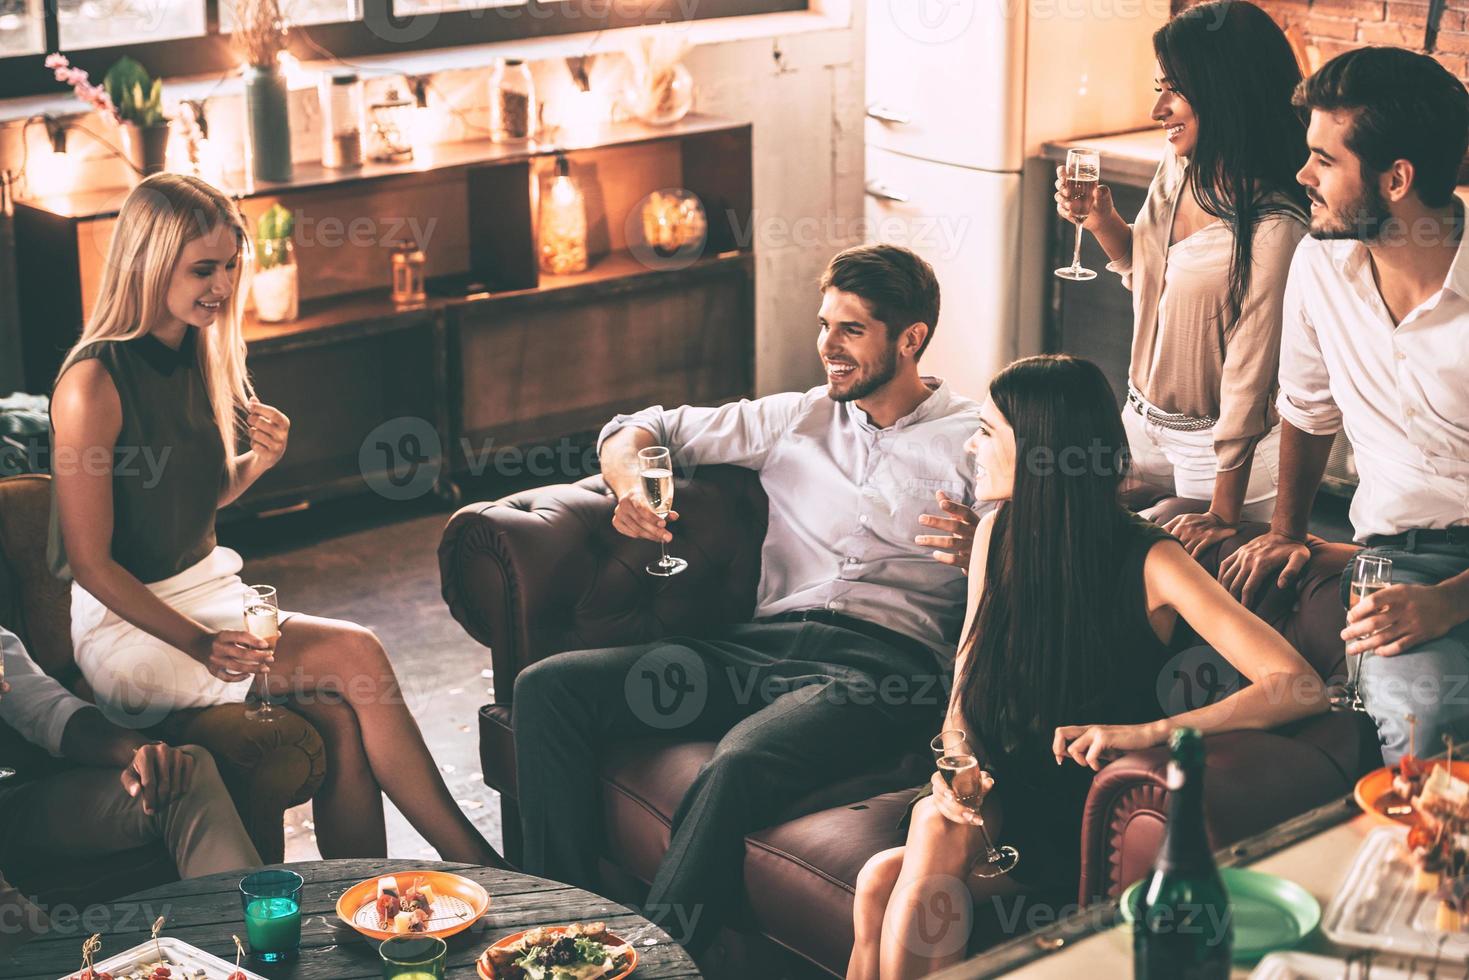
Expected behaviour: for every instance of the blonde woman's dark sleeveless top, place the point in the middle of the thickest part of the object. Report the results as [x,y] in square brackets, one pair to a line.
[169,464]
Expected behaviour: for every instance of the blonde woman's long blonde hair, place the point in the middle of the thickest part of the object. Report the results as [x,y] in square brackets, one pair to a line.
[162,215]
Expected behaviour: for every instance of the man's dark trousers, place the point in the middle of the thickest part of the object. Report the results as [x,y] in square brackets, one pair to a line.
[794,706]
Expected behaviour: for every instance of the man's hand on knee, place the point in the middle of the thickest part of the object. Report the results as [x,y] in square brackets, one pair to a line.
[1398,618]
[158,774]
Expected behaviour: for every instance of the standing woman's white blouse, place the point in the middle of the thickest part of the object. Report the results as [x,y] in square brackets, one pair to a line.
[1187,356]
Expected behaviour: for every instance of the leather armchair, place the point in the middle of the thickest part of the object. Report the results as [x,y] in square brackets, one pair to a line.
[267,768]
[543,571]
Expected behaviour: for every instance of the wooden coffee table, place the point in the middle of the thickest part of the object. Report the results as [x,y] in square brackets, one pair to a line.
[205,912]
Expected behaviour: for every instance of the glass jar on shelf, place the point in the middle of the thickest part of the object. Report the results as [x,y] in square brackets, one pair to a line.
[342,120]
[409,284]
[513,108]
[390,128]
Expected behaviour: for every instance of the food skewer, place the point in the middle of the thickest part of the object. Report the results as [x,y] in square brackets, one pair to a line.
[239,974]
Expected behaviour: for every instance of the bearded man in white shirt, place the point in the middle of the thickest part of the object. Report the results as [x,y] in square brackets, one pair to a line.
[1376,342]
[124,791]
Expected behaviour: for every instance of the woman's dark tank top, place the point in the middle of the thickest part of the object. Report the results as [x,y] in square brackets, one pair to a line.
[169,463]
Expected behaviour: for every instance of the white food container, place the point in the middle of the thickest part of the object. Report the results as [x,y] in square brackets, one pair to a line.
[186,962]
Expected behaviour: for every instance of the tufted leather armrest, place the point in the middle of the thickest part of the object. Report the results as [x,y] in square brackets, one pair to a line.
[543,571]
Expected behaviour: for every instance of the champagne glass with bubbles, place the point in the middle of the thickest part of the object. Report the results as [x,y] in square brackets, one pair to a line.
[262,621]
[961,770]
[655,470]
[1370,574]
[1082,173]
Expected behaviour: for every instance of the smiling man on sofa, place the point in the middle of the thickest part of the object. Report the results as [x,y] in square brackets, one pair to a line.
[855,622]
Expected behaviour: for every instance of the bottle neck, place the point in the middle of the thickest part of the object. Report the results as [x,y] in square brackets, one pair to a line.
[1186,842]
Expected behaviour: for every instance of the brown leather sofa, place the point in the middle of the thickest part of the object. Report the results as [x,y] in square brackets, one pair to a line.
[543,571]
[267,768]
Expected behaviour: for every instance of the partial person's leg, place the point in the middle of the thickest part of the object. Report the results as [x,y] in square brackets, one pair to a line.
[875,883]
[1148,465]
[930,916]
[834,720]
[86,812]
[317,656]
[1429,682]
[569,707]
[348,806]
[1195,467]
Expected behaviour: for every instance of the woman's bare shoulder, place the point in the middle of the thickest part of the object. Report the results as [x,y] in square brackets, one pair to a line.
[86,397]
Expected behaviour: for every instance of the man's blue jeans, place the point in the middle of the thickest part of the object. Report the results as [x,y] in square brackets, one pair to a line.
[1430,681]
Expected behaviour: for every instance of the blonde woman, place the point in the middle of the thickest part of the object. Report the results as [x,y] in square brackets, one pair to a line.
[148,409]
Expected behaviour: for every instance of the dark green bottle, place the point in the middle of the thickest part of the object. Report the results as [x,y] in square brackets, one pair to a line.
[1182,928]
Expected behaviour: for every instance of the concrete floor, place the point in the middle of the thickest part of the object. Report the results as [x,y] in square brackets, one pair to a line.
[361,562]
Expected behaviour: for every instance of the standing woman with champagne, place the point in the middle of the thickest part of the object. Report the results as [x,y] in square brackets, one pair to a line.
[1073,601]
[148,410]
[1206,261]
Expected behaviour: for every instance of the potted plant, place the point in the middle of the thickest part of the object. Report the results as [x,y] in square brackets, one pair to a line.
[260,36]
[131,99]
[274,288]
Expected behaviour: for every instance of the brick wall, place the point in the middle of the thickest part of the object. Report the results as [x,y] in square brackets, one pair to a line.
[1324,29]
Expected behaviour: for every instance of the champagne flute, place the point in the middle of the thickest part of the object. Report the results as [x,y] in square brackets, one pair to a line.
[1083,171]
[960,767]
[1370,574]
[262,621]
[655,469]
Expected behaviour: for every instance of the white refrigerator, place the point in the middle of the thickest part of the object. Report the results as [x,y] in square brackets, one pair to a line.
[960,96]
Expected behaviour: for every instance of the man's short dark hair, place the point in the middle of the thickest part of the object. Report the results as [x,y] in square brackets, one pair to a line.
[900,287]
[1405,106]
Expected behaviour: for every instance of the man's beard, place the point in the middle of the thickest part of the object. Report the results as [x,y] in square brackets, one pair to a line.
[886,370]
[1367,216]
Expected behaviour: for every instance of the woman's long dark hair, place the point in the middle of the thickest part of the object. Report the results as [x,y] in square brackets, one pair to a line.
[1050,582]
[1233,64]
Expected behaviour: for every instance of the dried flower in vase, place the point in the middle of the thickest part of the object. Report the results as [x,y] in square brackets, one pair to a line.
[260,31]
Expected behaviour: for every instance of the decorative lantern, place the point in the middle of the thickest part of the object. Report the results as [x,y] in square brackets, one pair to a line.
[563,230]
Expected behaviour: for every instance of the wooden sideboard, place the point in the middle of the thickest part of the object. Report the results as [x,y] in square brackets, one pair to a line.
[500,355]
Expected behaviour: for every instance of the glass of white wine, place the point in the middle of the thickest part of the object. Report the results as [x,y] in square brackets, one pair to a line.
[961,770]
[1082,173]
[1370,573]
[655,469]
[262,621]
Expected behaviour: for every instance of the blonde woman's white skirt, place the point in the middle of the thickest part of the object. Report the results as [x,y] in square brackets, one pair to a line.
[137,677]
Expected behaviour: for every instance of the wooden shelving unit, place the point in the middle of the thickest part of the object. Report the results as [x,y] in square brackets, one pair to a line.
[523,358]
